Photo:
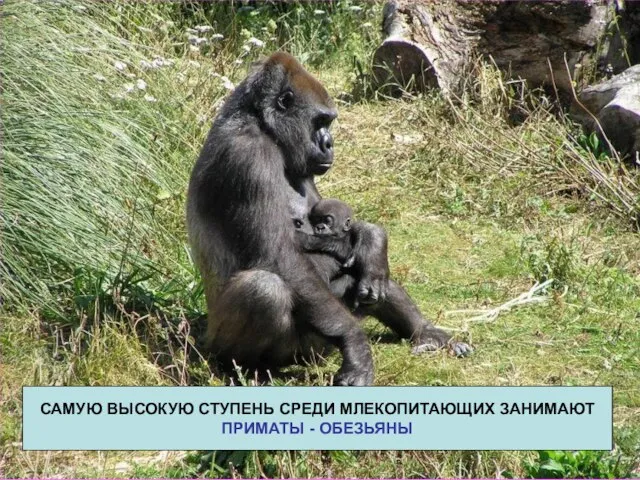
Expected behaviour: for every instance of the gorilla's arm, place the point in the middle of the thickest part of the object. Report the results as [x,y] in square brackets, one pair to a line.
[371,262]
[339,248]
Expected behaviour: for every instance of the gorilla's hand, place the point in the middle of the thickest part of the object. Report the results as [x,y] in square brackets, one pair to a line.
[349,262]
[373,286]
[371,262]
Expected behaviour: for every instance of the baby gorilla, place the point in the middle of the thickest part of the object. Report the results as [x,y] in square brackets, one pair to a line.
[331,223]
[328,237]
[330,240]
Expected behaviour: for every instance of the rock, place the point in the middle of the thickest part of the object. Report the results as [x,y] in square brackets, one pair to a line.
[615,103]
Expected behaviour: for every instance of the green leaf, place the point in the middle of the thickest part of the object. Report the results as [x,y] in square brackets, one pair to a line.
[552,466]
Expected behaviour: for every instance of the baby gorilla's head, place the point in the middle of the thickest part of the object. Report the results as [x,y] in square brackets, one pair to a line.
[331,217]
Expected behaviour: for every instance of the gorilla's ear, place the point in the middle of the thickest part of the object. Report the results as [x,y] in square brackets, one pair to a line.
[347,224]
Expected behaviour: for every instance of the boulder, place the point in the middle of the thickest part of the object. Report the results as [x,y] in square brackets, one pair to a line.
[612,107]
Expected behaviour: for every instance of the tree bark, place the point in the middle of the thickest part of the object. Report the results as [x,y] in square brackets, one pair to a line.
[435,44]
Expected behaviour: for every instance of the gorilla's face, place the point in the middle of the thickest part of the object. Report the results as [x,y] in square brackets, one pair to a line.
[297,112]
[331,217]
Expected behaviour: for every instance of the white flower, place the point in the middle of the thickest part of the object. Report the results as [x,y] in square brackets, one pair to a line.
[150,98]
[319,12]
[160,62]
[355,8]
[193,40]
[246,48]
[191,31]
[99,77]
[201,118]
[80,8]
[228,84]
[141,84]
[217,36]
[204,28]
[367,25]
[120,66]
[128,87]
[255,42]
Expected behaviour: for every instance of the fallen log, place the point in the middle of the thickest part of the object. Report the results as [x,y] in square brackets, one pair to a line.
[435,44]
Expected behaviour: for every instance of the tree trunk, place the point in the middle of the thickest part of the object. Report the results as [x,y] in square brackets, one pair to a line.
[435,44]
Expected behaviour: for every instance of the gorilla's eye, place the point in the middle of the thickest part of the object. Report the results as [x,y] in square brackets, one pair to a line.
[285,100]
[297,223]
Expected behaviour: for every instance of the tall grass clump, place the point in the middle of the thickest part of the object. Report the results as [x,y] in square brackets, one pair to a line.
[317,33]
[91,157]
[105,109]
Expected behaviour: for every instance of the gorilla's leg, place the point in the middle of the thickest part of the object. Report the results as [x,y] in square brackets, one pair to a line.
[398,312]
[250,321]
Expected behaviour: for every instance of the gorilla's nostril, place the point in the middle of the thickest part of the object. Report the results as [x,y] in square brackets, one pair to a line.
[326,142]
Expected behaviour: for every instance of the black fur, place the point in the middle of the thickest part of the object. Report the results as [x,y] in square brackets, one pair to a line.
[269,301]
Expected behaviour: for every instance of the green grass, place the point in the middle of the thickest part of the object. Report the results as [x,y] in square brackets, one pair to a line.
[99,288]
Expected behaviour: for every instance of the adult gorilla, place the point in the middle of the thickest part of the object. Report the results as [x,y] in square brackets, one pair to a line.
[267,303]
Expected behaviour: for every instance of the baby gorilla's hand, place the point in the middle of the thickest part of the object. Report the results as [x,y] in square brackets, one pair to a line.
[349,261]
